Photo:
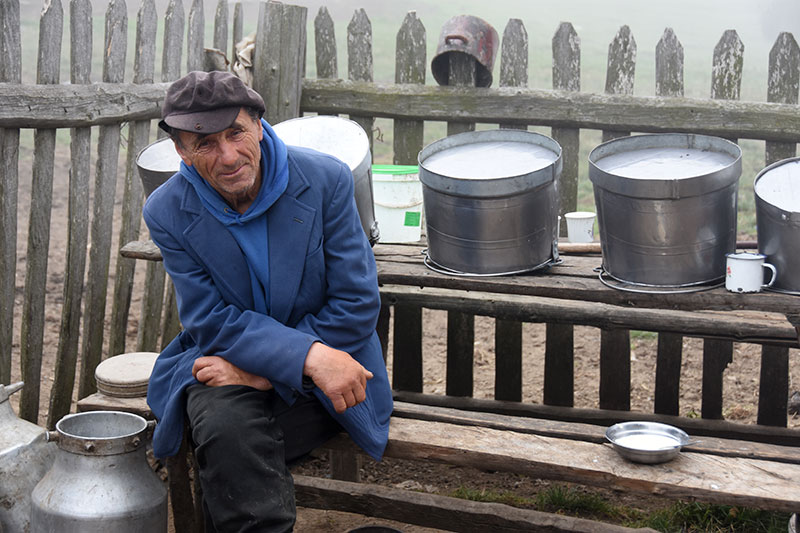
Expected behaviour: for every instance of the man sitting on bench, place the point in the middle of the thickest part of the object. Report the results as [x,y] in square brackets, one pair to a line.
[278,296]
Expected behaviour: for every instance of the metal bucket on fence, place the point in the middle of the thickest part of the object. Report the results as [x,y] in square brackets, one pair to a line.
[473,36]
[347,141]
[25,457]
[100,480]
[491,201]
[666,207]
[777,191]
[157,162]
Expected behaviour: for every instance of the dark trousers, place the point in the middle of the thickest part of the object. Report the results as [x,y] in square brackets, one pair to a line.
[244,439]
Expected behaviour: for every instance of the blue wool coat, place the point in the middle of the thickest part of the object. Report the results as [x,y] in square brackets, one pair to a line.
[322,287]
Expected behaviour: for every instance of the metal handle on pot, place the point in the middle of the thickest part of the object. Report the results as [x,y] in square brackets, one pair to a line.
[455,37]
[14,387]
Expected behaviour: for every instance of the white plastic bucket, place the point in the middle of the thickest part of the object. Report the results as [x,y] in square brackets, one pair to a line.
[398,202]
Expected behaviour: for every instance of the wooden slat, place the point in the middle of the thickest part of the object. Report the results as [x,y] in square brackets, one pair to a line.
[745,328]
[668,374]
[325,45]
[615,369]
[238,28]
[195,34]
[620,70]
[220,40]
[77,222]
[44,143]
[460,353]
[10,73]
[783,82]
[407,349]
[773,389]
[430,510]
[359,62]
[695,476]
[717,355]
[174,20]
[103,206]
[507,333]
[132,196]
[559,366]
[567,77]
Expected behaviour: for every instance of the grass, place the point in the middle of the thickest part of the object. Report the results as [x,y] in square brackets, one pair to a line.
[686,517]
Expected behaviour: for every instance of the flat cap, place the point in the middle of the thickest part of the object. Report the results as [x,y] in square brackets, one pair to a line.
[207,102]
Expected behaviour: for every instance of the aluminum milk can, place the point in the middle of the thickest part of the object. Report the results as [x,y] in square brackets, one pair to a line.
[100,480]
[25,457]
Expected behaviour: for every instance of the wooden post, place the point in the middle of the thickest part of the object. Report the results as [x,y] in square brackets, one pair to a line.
[238,28]
[325,45]
[669,82]
[44,145]
[116,38]
[620,71]
[195,56]
[359,61]
[508,333]
[567,77]
[138,136]
[279,59]
[221,27]
[410,64]
[80,20]
[10,72]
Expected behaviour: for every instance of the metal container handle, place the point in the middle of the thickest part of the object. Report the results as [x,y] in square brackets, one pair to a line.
[456,37]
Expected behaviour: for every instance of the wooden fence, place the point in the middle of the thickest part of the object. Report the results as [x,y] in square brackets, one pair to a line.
[95,113]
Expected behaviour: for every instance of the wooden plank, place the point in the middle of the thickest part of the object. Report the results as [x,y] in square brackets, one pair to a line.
[195,34]
[408,138]
[668,373]
[430,510]
[103,206]
[220,40]
[695,476]
[620,70]
[782,86]
[773,389]
[174,21]
[238,28]
[587,432]
[717,355]
[508,360]
[567,77]
[745,328]
[152,308]
[669,65]
[653,114]
[10,73]
[132,196]
[77,222]
[615,369]
[460,353]
[407,349]
[559,366]
[508,333]
[325,45]
[359,63]
[44,144]
[605,417]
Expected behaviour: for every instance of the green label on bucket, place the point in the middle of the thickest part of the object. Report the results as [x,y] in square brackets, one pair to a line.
[412,218]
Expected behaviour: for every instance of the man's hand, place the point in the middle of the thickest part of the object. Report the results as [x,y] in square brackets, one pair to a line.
[338,375]
[215,372]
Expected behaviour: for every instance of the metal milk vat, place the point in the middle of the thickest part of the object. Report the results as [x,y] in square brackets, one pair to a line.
[347,141]
[777,191]
[100,480]
[491,201]
[25,457]
[666,207]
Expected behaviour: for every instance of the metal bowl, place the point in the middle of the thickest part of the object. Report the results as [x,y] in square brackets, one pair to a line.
[647,442]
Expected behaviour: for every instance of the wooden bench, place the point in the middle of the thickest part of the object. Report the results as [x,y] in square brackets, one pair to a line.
[715,470]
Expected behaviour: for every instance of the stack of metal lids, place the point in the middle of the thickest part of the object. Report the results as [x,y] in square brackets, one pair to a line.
[125,375]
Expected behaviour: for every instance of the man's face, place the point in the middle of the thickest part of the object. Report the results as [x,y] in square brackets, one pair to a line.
[228,160]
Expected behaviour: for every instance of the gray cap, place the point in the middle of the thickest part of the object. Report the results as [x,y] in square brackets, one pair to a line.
[207,102]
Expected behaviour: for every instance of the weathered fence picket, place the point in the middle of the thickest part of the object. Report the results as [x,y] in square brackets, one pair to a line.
[116,35]
[77,222]
[278,72]
[508,333]
[726,82]
[44,145]
[410,65]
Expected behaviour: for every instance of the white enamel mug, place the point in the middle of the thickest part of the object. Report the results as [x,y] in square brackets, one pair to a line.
[744,272]
[580,226]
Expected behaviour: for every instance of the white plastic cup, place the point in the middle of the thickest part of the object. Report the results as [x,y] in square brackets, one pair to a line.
[744,272]
[580,226]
